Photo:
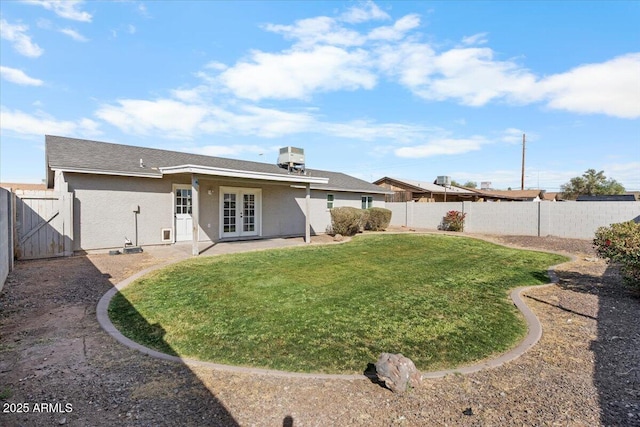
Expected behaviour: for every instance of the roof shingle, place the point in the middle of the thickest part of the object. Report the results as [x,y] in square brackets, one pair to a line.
[109,158]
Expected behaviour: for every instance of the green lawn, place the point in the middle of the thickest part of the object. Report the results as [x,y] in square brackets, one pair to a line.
[440,300]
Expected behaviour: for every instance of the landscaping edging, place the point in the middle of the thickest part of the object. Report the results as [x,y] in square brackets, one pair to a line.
[533,335]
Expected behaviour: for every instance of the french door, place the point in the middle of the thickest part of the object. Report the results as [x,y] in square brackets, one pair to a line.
[240,212]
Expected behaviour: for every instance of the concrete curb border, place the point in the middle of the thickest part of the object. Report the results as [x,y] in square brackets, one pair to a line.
[533,335]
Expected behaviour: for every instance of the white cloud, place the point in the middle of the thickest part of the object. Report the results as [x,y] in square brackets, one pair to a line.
[298,74]
[472,76]
[480,38]
[319,30]
[215,65]
[412,63]
[365,11]
[368,131]
[611,88]
[44,124]
[168,118]
[17,34]
[628,174]
[68,9]
[74,34]
[397,31]
[445,146]
[252,120]
[16,76]
[512,136]
[230,150]
[190,116]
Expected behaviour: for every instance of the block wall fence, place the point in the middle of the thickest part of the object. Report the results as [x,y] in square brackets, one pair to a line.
[578,220]
[6,236]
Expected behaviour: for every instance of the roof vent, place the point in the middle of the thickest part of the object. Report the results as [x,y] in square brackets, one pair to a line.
[292,159]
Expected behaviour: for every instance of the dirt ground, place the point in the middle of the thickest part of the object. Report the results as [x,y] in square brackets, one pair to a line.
[58,367]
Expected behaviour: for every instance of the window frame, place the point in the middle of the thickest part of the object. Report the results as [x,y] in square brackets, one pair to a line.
[367,201]
[331,202]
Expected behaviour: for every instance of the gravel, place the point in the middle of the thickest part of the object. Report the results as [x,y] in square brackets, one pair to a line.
[585,370]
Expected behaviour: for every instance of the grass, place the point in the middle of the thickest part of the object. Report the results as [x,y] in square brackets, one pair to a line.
[440,300]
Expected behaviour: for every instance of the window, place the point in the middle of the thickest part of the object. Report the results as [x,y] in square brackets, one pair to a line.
[183,201]
[329,201]
[367,202]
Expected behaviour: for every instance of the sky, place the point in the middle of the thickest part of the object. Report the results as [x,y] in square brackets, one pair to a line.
[410,90]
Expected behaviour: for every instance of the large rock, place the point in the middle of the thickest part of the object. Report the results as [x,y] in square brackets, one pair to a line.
[397,372]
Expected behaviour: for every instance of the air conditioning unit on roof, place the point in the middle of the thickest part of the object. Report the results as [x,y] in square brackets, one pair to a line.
[444,180]
[291,158]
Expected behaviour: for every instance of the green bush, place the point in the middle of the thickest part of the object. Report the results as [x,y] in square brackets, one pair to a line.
[347,221]
[453,221]
[620,243]
[379,219]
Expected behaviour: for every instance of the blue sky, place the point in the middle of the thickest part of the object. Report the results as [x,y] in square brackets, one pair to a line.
[403,89]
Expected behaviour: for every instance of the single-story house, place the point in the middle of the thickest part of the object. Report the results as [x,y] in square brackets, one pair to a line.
[406,190]
[151,196]
[512,195]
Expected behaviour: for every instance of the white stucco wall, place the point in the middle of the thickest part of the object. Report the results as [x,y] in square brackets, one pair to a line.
[103,208]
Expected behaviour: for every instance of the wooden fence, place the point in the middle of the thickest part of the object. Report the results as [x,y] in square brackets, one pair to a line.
[43,224]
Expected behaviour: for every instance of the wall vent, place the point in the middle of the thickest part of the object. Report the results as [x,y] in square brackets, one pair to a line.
[167,235]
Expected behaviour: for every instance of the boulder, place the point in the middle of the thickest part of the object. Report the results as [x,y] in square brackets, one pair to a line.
[338,238]
[397,372]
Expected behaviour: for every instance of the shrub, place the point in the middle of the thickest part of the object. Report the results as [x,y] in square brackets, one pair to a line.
[379,219]
[346,220]
[620,243]
[453,221]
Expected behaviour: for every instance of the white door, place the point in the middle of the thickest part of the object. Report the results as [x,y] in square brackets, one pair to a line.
[240,212]
[183,206]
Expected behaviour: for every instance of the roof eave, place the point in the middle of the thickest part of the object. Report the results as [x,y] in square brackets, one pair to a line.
[352,190]
[233,173]
[106,172]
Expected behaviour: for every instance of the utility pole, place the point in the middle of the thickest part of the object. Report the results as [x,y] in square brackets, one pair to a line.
[522,177]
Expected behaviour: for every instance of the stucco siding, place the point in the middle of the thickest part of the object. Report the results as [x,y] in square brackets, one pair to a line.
[104,205]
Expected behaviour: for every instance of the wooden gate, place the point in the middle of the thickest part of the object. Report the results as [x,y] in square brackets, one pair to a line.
[43,224]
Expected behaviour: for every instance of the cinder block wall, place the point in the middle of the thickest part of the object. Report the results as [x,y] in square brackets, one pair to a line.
[578,220]
[6,243]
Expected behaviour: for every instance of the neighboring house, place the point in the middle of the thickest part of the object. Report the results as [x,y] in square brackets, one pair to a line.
[552,196]
[512,195]
[406,190]
[153,196]
[18,186]
[607,198]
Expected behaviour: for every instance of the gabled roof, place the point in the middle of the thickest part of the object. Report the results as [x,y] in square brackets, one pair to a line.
[424,186]
[22,186]
[513,194]
[95,157]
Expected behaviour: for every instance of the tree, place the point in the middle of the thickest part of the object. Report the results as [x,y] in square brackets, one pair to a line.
[590,183]
[469,184]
